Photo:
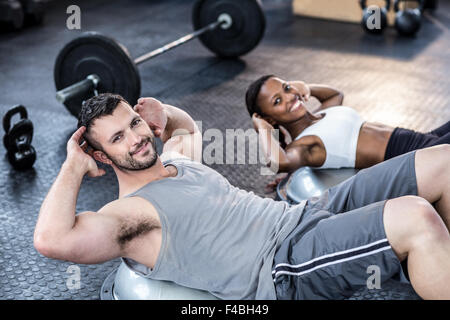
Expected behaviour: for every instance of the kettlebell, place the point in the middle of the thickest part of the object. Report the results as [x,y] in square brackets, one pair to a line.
[17,139]
[370,12]
[408,21]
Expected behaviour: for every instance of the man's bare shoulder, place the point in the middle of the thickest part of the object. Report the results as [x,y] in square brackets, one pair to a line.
[128,206]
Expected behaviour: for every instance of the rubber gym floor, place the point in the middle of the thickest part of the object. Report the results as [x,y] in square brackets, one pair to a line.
[390,79]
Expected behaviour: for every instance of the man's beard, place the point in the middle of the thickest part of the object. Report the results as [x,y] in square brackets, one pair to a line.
[131,164]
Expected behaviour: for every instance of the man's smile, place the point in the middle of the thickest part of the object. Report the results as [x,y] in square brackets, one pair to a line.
[141,149]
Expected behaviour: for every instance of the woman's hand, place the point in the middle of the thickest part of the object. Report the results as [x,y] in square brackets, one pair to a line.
[303,89]
[259,123]
[272,186]
[327,96]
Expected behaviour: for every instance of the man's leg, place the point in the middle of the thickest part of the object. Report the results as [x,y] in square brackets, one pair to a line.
[424,173]
[330,256]
[329,260]
[416,231]
[432,167]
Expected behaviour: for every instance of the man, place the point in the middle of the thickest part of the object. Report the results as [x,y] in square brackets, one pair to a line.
[178,220]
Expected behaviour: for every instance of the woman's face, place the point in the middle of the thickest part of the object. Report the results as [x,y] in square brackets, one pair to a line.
[281,102]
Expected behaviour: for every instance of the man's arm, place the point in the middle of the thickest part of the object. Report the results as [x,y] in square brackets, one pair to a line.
[59,233]
[177,130]
[327,96]
[181,135]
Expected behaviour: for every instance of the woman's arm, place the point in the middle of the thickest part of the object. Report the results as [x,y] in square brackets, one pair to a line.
[306,151]
[299,153]
[328,96]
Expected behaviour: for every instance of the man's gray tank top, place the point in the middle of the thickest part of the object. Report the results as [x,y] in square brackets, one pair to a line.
[215,237]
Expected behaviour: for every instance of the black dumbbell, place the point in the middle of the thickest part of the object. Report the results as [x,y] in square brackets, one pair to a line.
[17,139]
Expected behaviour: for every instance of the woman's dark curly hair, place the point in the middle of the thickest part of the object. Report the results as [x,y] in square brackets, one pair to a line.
[251,101]
[251,96]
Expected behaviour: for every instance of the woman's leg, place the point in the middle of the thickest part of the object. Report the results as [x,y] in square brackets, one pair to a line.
[444,139]
[442,130]
[405,140]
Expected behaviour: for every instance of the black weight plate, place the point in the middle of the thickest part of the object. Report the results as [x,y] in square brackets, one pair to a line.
[241,37]
[93,53]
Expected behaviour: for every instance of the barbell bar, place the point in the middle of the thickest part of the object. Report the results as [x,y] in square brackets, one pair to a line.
[94,63]
[91,82]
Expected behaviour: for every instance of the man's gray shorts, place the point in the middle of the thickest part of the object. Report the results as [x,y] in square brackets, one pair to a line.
[340,241]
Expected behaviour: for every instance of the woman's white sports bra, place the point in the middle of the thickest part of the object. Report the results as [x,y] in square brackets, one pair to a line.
[339,132]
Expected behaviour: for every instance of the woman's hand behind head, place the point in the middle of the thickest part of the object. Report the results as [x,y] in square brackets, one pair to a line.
[260,124]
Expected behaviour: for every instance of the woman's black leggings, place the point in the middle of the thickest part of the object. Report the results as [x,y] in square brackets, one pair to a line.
[404,140]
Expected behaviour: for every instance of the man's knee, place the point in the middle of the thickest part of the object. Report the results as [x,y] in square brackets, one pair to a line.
[424,217]
[410,221]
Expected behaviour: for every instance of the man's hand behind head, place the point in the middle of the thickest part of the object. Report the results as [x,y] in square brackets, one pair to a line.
[154,113]
[79,158]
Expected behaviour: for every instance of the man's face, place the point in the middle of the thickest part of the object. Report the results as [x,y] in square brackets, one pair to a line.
[126,139]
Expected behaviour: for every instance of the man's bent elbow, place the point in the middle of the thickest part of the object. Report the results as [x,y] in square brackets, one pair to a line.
[47,247]
[42,245]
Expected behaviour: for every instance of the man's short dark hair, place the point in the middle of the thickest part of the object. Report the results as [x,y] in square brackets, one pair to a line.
[94,108]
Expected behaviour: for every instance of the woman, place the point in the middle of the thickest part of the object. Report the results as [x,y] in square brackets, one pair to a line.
[333,137]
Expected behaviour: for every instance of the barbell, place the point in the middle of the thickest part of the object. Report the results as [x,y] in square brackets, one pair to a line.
[94,63]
